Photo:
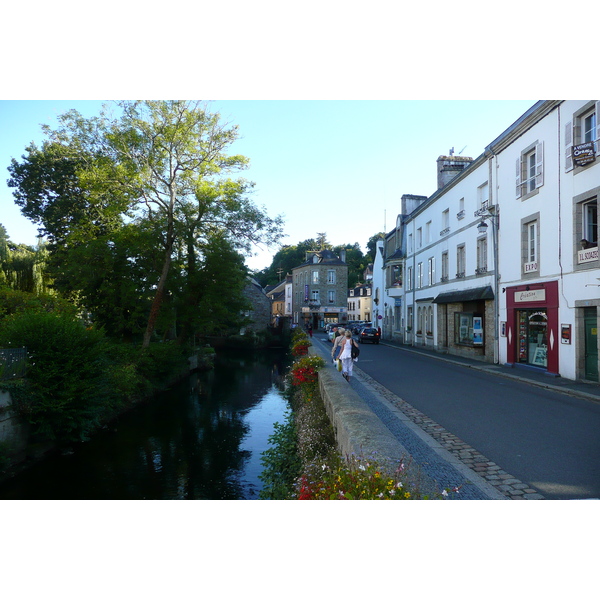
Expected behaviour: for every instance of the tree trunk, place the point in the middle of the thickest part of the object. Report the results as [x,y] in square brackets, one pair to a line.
[158,297]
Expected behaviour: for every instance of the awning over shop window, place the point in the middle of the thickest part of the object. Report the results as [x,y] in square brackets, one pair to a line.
[482,293]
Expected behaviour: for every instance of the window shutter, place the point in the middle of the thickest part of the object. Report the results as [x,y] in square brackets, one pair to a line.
[519,188]
[569,147]
[539,165]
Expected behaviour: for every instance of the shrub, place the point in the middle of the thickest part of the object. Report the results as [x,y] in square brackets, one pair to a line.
[66,392]
[304,371]
[300,348]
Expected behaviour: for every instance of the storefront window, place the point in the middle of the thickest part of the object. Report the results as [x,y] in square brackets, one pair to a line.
[532,331]
[463,328]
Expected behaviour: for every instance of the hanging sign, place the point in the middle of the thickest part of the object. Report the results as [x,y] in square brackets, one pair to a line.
[584,154]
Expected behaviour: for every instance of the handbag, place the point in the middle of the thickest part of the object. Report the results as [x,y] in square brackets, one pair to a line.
[339,364]
[354,351]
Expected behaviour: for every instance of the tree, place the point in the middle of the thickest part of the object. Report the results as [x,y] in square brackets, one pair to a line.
[372,245]
[159,162]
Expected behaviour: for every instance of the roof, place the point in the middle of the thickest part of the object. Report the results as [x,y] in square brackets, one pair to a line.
[325,257]
[470,295]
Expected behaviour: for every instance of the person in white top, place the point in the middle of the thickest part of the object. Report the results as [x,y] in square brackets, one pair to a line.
[346,354]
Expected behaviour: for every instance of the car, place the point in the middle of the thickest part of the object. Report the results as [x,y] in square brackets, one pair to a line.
[369,334]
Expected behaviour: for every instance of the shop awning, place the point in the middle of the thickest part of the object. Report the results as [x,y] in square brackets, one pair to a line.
[482,293]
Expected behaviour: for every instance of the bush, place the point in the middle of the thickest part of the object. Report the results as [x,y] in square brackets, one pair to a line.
[67,390]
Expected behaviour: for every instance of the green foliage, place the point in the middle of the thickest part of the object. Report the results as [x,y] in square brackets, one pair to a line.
[15,302]
[67,391]
[281,463]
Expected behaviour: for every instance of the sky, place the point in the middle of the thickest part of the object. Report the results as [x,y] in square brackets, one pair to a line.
[333,166]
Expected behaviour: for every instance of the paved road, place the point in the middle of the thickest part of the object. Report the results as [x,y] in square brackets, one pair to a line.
[547,439]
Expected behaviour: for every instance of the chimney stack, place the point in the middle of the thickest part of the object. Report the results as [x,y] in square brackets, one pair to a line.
[448,167]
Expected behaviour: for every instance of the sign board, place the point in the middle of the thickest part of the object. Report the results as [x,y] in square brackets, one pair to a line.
[587,255]
[530,296]
[584,154]
[565,334]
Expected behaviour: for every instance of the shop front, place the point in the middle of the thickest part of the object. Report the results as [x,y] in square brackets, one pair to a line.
[532,331]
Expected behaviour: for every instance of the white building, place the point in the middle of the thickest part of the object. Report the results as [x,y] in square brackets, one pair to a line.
[529,205]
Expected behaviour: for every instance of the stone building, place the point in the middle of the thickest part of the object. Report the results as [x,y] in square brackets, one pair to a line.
[320,289]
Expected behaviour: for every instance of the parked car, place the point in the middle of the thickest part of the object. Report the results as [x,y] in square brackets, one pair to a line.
[368,334]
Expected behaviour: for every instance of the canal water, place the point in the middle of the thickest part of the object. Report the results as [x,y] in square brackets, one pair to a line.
[202,439]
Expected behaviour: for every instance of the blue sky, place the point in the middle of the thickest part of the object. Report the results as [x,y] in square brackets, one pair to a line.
[338,167]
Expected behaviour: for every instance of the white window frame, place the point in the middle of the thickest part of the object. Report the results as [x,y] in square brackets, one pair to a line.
[331,276]
[419,275]
[461,260]
[589,214]
[331,296]
[445,268]
[530,171]
[431,270]
[482,251]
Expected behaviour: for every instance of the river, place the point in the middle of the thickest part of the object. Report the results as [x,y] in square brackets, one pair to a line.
[201,439]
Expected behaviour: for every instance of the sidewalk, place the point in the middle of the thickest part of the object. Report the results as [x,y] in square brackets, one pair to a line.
[532,375]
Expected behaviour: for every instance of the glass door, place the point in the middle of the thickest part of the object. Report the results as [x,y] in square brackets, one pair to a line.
[532,332]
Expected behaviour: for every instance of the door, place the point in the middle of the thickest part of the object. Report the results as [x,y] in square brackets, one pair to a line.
[591,344]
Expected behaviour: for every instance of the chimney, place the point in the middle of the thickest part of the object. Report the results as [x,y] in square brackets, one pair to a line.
[343,255]
[448,167]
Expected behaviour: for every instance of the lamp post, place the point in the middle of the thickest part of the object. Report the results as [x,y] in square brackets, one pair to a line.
[482,228]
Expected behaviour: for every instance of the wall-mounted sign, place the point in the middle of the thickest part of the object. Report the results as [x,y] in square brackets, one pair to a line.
[587,255]
[584,154]
[530,296]
[565,334]
[530,267]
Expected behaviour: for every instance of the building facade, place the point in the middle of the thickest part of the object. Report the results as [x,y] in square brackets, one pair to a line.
[320,290]
[360,303]
[501,263]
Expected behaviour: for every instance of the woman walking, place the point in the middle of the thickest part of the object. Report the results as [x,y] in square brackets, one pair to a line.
[346,354]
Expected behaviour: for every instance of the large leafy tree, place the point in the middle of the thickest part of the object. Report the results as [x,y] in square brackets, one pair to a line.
[162,163]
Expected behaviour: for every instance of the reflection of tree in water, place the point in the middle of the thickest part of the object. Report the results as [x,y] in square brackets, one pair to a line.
[183,444]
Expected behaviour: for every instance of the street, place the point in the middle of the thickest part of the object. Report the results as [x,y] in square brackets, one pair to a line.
[545,438]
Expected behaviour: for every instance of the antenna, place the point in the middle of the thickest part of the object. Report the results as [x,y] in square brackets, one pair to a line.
[384,221]
[462,151]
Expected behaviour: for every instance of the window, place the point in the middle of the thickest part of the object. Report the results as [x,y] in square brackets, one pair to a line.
[482,255]
[460,261]
[445,266]
[483,195]
[428,232]
[315,277]
[464,324]
[419,238]
[314,295]
[590,222]
[331,277]
[461,209]
[445,222]
[586,229]
[419,275]
[410,243]
[588,133]
[582,130]
[530,243]
[409,279]
[530,170]
[431,271]
[331,296]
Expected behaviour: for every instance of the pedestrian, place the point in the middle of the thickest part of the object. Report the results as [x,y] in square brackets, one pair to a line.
[346,354]
[339,336]
[309,329]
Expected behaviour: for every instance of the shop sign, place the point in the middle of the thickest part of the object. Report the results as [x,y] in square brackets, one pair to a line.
[587,255]
[397,301]
[530,267]
[530,296]
[584,154]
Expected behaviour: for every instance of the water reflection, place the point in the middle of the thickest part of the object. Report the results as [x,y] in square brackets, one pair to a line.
[200,440]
